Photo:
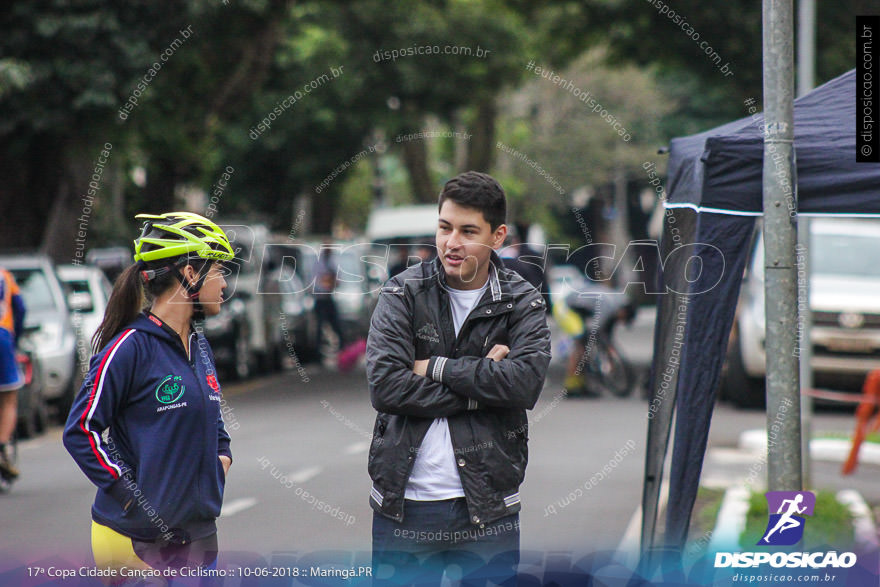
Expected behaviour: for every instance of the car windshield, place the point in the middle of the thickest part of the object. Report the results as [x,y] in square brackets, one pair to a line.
[35,289]
[78,286]
[852,255]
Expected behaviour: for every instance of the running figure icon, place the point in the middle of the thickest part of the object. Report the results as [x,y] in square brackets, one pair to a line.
[786,521]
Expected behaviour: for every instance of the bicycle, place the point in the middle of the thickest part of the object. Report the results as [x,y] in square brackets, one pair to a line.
[602,369]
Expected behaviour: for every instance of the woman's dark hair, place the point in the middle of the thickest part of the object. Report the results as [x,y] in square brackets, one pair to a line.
[131,296]
[479,191]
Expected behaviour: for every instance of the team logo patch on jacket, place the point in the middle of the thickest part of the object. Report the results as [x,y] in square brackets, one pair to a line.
[428,333]
[170,389]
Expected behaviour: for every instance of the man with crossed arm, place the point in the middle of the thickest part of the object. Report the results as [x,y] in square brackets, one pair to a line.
[457,352]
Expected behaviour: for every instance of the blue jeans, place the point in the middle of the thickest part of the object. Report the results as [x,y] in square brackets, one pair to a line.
[438,535]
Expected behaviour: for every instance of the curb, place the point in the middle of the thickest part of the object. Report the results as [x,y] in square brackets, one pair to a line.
[821,449]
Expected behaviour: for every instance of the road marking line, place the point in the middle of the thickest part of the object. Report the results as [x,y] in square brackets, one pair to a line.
[237,505]
[731,520]
[732,456]
[304,475]
[357,448]
[630,545]
[863,522]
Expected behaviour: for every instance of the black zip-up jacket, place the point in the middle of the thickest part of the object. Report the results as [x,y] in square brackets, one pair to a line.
[485,401]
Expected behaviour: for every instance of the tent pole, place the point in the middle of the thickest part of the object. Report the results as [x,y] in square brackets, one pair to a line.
[784,471]
[806,46]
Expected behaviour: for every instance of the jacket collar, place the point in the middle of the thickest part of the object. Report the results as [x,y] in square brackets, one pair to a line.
[497,288]
[149,322]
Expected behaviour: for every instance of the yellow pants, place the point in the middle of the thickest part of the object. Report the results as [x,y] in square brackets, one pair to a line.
[113,550]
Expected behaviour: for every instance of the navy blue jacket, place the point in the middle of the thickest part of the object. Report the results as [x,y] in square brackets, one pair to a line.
[146,429]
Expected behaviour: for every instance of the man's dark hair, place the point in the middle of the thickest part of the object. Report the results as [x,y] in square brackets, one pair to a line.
[479,191]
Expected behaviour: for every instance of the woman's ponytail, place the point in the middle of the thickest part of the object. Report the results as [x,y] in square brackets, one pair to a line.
[125,303]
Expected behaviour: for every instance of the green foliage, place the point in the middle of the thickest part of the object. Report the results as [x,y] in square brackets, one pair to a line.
[554,126]
[356,196]
[642,35]
[67,67]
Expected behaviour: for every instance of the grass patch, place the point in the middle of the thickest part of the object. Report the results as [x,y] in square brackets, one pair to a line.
[830,525]
[872,437]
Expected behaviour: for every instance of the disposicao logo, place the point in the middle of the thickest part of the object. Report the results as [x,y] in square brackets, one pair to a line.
[786,526]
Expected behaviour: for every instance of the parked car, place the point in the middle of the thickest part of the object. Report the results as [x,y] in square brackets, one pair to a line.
[33,411]
[88,291]
[416,223]
[356,292]
[111,260]
[245,335]
[49,326]
[297,324]
[845,310]
[229,335]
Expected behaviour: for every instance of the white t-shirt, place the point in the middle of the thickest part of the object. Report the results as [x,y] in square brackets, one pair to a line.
[435,475]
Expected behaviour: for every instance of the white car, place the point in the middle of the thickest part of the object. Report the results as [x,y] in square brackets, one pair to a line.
[88,290]
[47,325]
[845,306]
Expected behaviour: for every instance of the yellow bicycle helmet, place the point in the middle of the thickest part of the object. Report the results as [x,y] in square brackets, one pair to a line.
[174,235]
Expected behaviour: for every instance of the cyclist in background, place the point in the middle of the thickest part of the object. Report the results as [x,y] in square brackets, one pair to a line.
[12,312]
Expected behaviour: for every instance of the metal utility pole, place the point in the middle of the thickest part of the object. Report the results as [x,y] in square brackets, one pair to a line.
[806,74]
[780,238]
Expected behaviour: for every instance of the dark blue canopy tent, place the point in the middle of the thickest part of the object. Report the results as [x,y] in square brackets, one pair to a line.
[714,195]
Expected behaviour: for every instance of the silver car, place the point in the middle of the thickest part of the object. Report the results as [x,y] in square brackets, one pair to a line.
[845,308]
[48,325]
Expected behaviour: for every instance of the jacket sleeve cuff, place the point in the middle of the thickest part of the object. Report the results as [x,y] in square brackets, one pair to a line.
[121,492]
[435,372]
[435,368]
[224,452]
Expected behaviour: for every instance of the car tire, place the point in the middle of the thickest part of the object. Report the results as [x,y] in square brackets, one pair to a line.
[41,414]
[26,427]
[737,386]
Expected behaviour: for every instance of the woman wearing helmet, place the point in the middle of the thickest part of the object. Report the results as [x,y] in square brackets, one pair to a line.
[146,426]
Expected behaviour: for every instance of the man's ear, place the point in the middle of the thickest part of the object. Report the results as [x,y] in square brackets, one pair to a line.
[499,236]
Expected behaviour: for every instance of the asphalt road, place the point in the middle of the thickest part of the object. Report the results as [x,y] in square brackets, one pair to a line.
[314,436]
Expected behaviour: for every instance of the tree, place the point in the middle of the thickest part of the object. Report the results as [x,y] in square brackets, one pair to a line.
[67,70]
[559,138]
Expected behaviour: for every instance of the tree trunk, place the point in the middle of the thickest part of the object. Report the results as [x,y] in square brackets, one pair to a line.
[28,184]
[415,157]
[482,143]
[158,195]
[323,211]
[71,228]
